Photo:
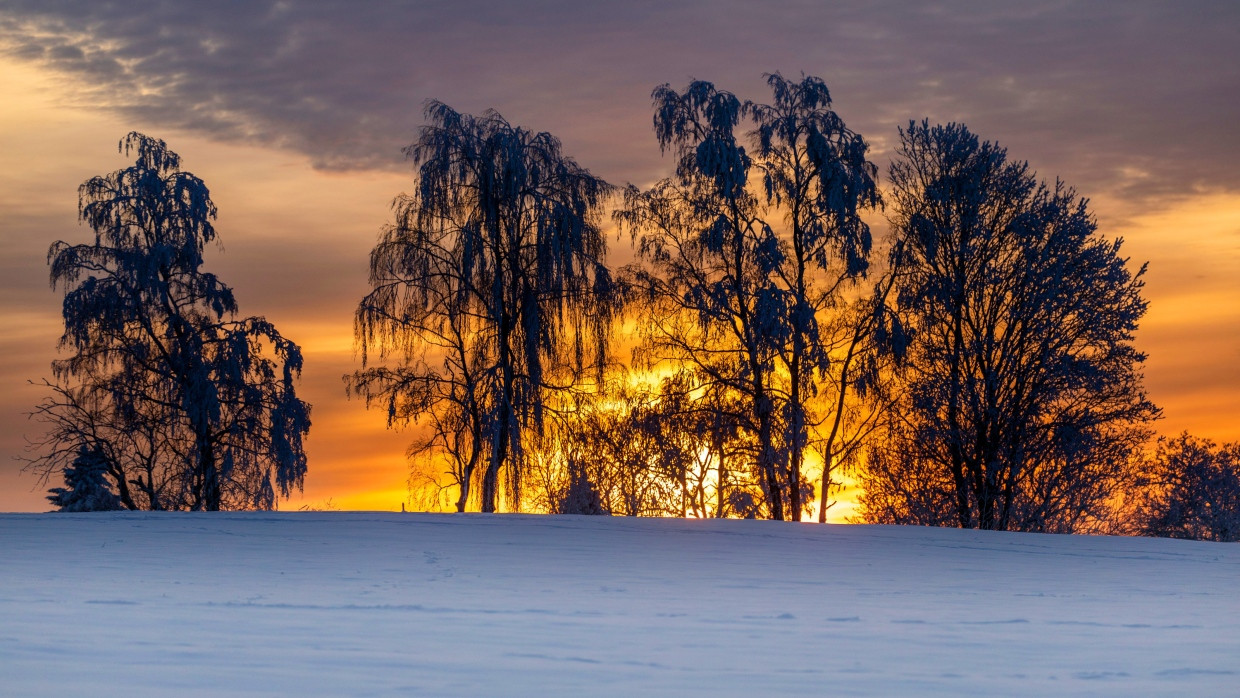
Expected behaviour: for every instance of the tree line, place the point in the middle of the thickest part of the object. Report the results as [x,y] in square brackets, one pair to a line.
[973,366]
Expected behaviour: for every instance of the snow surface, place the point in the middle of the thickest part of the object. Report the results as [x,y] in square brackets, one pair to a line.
[420,604]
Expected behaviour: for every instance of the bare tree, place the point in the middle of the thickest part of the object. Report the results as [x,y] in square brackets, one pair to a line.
[1022,393]
[611,448]
[645,450]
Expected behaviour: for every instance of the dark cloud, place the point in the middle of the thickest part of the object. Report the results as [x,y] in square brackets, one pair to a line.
[1134,99]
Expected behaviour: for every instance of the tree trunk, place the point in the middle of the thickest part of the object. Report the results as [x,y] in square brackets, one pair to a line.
[122,487]
[767,457]
[490,478]
[797,446]
[467,477]
[211,494]
[796,453]
[721,497]
[828,453]
[985,496]
[955,435]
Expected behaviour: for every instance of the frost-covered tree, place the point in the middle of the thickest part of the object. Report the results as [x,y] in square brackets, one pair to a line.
[86,485]
[715,303]
[816,177]
[188,407]
[580,496]
[1022,398]
[752,253]
[490,293]
[1193,492]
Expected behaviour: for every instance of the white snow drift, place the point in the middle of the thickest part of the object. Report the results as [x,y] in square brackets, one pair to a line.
[393,604]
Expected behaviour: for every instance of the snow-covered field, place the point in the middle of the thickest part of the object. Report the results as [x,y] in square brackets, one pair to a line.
[353,604]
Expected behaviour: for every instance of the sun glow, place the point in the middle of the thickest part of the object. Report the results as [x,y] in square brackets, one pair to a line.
[1191,332]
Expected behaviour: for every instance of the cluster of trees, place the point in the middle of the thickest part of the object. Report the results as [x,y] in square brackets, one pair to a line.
[492,308]
[979,373]
[747,255]
[976,368]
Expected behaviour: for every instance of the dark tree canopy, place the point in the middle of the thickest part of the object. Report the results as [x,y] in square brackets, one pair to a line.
[1022,401]
[188,407]
[710,274]
[490,293]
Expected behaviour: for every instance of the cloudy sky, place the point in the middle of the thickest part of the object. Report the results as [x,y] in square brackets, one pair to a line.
[294,113]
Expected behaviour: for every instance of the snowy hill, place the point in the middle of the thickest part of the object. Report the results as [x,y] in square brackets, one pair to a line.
[409,604]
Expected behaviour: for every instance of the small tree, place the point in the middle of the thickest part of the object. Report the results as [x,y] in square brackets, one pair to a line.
[86,485]
[1194,491]
[189,408]
[613,445]
[580,496]
[646,452]
[490,291]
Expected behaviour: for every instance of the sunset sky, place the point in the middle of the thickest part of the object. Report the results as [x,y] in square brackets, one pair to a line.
[294,114]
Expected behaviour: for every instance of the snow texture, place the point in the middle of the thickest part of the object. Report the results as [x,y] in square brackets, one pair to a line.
[363,604]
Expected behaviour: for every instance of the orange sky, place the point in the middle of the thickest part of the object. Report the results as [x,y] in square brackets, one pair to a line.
[296,241]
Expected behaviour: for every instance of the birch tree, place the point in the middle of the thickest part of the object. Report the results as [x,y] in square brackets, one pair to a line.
[490,293]
[754,244]
[714,298]
[182,405]
[816,177]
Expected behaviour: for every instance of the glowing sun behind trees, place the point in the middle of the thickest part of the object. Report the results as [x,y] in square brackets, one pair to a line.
[748,311]
[177,403]
[489,290]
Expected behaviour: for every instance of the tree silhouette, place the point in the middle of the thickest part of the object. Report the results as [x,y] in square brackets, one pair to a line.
[489,290]
[714,299]
[1193,491]
[815,172]
[1022,399]
[184,404]
[646,451]
[86,485]
[747,253]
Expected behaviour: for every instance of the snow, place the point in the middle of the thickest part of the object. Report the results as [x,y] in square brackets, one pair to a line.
[400,604]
